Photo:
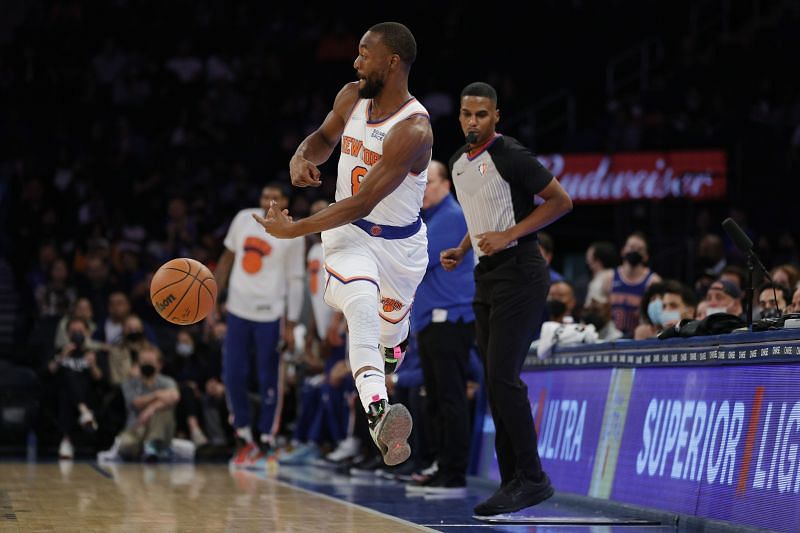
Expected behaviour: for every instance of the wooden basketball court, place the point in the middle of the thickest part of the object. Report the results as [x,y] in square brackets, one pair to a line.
[84,497]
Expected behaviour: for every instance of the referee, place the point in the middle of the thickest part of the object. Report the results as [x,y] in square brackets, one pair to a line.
[496,179]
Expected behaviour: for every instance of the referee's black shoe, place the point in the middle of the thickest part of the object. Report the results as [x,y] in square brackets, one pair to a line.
[518,494]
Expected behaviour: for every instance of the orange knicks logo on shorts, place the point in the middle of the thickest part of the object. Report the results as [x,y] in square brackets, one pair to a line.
[254,251]
[390,304]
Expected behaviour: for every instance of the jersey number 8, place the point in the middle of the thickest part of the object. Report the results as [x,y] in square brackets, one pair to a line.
[356,176]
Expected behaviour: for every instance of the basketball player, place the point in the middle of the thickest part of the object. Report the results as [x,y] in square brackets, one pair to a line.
[264,280]
[374,240]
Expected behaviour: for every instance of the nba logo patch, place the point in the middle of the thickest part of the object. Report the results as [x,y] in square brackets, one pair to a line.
[482,168]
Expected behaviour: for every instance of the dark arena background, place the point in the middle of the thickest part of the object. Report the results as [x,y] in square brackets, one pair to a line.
[132,132]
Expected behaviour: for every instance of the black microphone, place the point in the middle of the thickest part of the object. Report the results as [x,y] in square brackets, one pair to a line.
[739,237]
[745,245]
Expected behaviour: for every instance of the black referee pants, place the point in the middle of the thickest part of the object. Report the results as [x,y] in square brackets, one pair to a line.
[510,292]
[444,357]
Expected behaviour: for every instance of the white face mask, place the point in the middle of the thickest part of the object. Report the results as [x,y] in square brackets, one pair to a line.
[714,310]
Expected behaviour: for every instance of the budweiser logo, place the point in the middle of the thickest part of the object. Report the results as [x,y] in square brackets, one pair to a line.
[602,178]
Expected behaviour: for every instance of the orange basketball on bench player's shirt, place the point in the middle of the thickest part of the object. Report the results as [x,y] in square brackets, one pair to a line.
[183,291]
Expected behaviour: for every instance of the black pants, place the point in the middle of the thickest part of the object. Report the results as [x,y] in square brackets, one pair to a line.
[444,357]
[188,405]
[74,387]
[510,292]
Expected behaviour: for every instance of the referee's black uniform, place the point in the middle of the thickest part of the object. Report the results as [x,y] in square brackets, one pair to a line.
[496,188]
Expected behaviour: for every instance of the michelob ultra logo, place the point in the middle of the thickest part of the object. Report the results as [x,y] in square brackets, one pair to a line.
[561,429]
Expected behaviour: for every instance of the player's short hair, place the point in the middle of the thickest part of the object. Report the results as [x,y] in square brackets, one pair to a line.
[398,39]
[480,88]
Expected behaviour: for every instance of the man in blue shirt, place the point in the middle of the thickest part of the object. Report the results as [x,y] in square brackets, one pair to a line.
[443,321]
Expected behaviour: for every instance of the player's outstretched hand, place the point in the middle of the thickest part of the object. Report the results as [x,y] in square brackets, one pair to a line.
[277,223]
[304,173]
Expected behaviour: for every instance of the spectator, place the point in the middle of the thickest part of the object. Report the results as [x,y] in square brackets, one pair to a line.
[629,283]
[795,307]
[650,308]
[191,367]
[598,313]
[701,311]
[736,274]
[773,299]
[83,310]
[547,249]
[150,400]
[786,275]
[75,368]
[601,258]
[711,254]
[96,284]
[679,303]
[56,296]
[119,307]
[560,303]
[123,353]
[724,297]
[215,408]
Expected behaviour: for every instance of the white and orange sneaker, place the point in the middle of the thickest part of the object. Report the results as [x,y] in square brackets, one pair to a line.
[246,456]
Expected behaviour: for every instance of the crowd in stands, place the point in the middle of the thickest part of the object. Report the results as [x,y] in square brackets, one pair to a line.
[121,152]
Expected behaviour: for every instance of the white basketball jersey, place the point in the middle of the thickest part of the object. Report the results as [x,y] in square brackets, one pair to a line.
[316,289]
[362,147]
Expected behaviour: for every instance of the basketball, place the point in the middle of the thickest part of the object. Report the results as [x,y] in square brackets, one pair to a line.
[183,291]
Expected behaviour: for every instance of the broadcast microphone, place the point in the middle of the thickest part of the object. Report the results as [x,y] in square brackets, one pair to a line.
[745,245]
[473,136]
[742,242]
[739,237]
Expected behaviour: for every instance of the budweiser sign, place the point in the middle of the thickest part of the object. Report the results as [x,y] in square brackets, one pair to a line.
[598,178]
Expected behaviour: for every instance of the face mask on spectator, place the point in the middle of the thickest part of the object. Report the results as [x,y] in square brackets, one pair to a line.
[714,310]
[634,258]
[77,339]
[770,313]
[555,308]
[134,336]
[654,310]
[148,371]
[670,317]
[184,349]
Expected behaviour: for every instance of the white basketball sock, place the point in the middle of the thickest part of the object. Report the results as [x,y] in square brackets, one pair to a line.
[361,311]
[245,434]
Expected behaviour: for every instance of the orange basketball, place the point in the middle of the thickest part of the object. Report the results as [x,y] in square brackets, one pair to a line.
[183,291]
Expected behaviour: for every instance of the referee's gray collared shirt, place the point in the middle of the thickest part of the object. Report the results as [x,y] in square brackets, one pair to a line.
[496,186]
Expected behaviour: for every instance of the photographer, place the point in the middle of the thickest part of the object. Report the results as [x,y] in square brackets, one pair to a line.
[75,369]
